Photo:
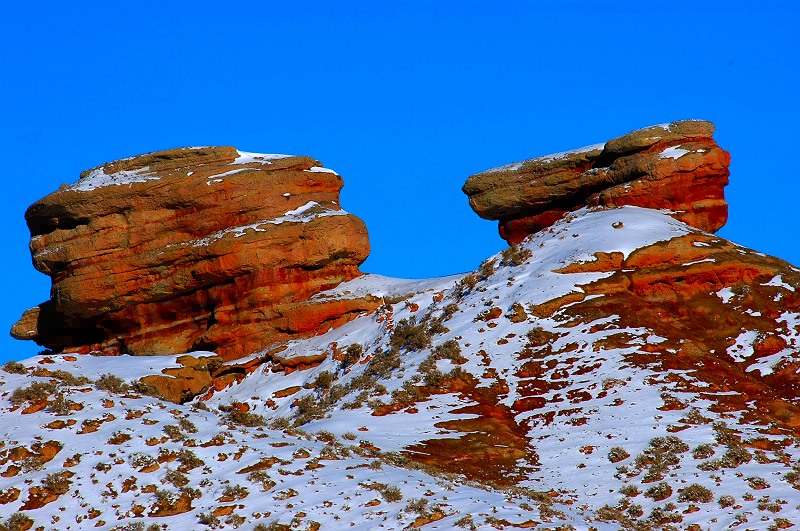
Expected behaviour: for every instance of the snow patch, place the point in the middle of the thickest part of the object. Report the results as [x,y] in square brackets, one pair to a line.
[302,214]
[673,152]
[98,178]
[777,281]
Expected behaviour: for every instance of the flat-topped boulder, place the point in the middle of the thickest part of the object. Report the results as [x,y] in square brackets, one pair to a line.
[675,166]
[204,248]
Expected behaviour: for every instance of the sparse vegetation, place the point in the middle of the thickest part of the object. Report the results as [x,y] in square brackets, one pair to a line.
[409,335]
[449,350]
[146,389]
[14,367]
[112,384]
[726,500]
[234,492]
[658,492]
[33,393]
[175,478]
[617,454]
[661,453]
[703,451]
[352,354]
[61,406]
[696,493]
[323,381]
[245,418]
[69,379]
[389,493]
[141,460]
[514,255]
[449,310]
[17,522]
[56,483]
[263,478]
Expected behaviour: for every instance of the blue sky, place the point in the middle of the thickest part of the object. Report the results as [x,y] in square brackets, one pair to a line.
[405,100]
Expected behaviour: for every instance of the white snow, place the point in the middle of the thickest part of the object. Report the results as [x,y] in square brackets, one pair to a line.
[98,178]
[726,294]
[246,157]
[319,169]
[546,158]
[301,214]
[777,281]
[674,152]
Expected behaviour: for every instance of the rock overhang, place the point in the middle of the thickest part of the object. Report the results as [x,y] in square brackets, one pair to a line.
[675,166]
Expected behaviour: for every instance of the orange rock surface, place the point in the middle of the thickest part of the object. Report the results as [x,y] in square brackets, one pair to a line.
[676,166]
[192,249]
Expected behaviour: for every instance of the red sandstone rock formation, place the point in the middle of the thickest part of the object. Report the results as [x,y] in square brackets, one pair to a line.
[674,166]
[196,248]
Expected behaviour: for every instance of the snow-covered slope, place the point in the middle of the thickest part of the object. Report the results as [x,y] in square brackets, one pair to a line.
[472,401]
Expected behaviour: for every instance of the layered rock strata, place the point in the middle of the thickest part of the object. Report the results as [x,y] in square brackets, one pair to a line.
[676,166]
[193,249]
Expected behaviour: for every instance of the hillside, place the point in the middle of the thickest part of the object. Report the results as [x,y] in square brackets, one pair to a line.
[473,401]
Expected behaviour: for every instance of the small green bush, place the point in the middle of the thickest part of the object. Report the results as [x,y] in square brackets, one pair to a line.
[696,493]
[56,483]
[726,500]
[323,381]
[352,354]
[514,255]
[617,454]
[14,367]
[69,379]
[703,451]
[658,492]
[245,418]
[112,384]
[408,335]
[33,393]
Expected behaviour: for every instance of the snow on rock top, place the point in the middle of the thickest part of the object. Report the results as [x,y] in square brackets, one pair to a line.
[198,243]
[676,167]
[546,158]
[98,178]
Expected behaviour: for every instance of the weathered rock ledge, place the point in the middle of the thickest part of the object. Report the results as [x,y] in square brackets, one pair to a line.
[193,249]
[676,166]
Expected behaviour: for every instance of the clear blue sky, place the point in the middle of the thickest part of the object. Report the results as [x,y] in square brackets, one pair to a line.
[404,99]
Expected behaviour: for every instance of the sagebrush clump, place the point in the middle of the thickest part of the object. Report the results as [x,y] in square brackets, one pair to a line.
[33,393]
[112,384]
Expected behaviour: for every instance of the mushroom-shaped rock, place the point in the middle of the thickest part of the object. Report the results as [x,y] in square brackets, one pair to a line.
[203,248]
[675,166]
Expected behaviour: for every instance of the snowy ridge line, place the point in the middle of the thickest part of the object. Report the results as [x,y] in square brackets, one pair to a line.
[545,158]
[98,178]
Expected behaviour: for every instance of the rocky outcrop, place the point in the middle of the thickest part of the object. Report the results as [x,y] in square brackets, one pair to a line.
[725,318]
[193,249]
[676,166]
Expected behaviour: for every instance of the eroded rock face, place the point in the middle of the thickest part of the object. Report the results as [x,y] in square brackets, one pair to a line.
[676,166]
[720,317]
[192,249]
